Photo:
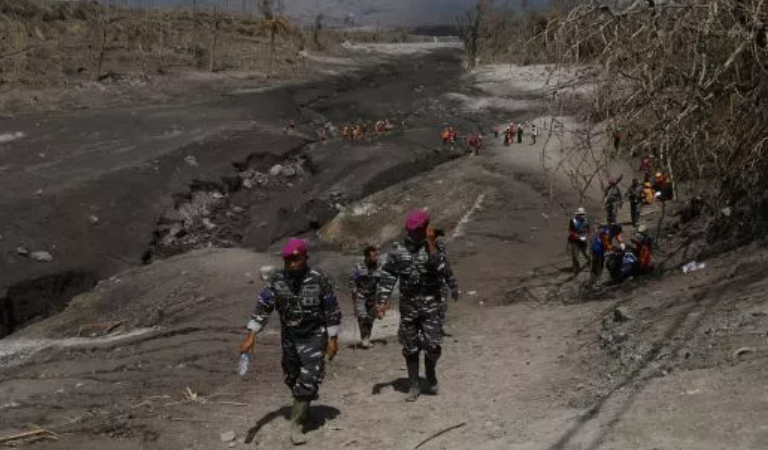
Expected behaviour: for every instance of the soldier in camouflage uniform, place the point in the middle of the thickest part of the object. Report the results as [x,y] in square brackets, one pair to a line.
[310,319]
[363,283]
[420,264]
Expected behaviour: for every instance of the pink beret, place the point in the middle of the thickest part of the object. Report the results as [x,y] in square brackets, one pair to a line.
[416,219]
[294,247]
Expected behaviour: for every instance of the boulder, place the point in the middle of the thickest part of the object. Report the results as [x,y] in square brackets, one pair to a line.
[276,170]
[41,256]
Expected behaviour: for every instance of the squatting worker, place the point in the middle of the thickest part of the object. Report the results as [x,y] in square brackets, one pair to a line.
[420,264]
[310,319]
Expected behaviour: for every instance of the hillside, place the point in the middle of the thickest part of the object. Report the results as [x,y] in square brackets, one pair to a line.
[363,12]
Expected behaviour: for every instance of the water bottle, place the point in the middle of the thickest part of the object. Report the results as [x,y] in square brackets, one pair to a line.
[242,366]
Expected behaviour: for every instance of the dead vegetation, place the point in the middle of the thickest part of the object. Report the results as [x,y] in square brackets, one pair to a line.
[47,43]
[683,80]
[686,81]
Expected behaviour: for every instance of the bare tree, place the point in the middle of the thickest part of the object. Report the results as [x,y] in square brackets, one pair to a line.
[214,40]
[469,27]
[274,25]
[104,25]
[317,30]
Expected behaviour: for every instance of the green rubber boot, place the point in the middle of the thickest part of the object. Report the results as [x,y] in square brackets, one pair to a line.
[299,415]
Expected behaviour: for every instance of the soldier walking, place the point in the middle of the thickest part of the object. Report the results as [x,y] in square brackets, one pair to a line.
[613,200]
[310,319]
[635,197]
[420,265]
[363,284]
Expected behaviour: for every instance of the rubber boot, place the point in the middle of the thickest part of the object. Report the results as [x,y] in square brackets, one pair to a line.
[365,334]
[412,362]
[431,366]
[299,415]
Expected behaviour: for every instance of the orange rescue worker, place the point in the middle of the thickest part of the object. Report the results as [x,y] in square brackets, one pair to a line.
[644,250]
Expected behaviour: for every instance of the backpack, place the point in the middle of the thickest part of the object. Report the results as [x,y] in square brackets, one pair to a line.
[597,247]
[644,254]
[628,264]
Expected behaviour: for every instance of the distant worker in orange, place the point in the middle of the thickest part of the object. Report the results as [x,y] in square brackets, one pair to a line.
[445,135]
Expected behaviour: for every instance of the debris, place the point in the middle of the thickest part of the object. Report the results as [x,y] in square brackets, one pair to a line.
[693,266]
[41,256]
[288,172]
[190,394]
[238,209]
[39,192]
[276,170]
[229,436]
[726,211]
[621,314]
[9,137]
[472,293]
[248,184]
[94,219]
[440,433]
[742,351]
[34,433]
[208,224]
[191,160]
[232,444]
[22,251]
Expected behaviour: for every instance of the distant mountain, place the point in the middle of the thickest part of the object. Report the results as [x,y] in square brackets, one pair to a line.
[358,12]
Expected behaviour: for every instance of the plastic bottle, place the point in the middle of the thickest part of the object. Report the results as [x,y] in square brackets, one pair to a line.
[242,365]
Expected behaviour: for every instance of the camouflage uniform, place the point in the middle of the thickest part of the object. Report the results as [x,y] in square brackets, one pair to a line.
[422,277]
[450,288]
[613,198]
[363,283]
[309,313]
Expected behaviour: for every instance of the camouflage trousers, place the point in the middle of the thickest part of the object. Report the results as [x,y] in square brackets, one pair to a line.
[304,363]
[421,325]
[365,310]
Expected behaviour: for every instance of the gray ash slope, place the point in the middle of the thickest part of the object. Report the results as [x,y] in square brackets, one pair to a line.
[97,188]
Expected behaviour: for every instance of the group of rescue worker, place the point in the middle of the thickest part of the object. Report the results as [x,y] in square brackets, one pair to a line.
[450,137]
[517,131]
[474,141]
[310,315]
[358,132]
[353,132]
[605,247]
